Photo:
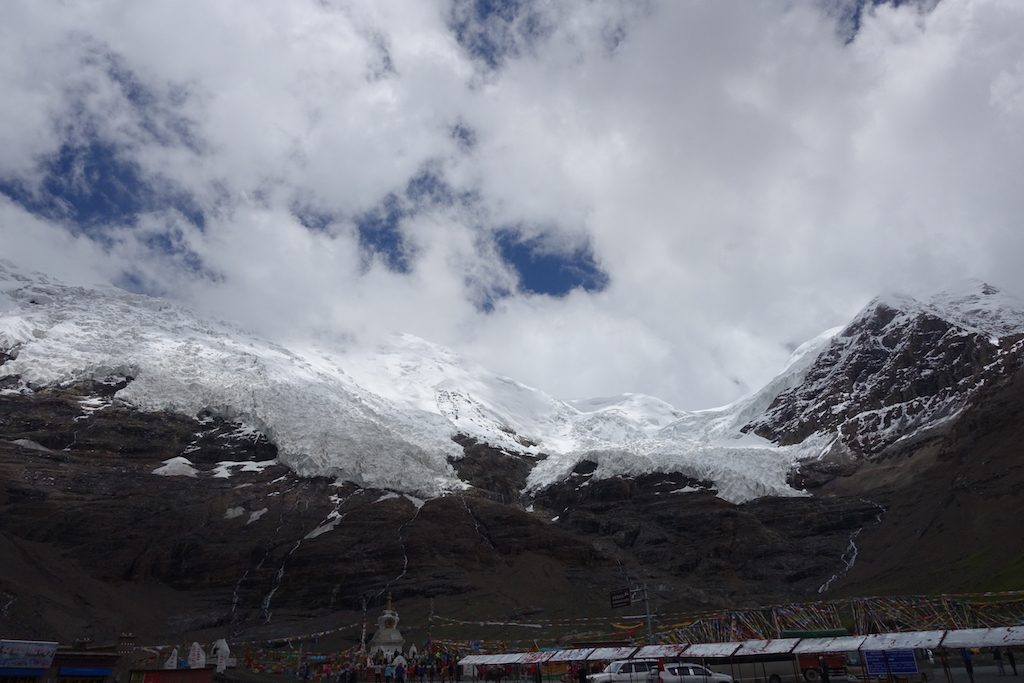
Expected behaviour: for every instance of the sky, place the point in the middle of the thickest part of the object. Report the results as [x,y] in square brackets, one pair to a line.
[592,197]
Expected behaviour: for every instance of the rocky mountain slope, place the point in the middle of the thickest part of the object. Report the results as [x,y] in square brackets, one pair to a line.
[170,475]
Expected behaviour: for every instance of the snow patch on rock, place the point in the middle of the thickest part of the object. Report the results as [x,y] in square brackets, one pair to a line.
[255,515]
[224,467]
[177,467]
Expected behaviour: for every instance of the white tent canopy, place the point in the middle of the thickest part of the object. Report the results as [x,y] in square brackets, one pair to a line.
[657,651]
[611,653]
[911,640]
[577,655]
[1005,636]
[834,644]
[712,649]
[778,646]
[536,657]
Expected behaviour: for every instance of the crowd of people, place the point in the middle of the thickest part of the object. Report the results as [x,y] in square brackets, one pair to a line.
[439,665]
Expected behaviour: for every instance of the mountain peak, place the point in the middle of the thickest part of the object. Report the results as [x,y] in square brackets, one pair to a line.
[980,306]
[971,304]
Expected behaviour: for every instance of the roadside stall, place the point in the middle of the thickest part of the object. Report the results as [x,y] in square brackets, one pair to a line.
[535,661]
[767,661]
[1002,640]
[720,655]
[566,663]
[893,656]
[837,653]
[664,654]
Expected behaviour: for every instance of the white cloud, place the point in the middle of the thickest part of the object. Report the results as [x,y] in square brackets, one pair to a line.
[744,176]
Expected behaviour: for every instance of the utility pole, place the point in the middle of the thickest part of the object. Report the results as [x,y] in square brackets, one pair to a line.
[647,609]
[632,594]
[362,636]
[430,623]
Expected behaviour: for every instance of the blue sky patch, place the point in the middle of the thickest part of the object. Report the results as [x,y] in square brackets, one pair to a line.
[311,217]
[543,270]
[379,230]
[91,186]
[464,136]
[849,13]
[157,113]
[493,30]
[380,233]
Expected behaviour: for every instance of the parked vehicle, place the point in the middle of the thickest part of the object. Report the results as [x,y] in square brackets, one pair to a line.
[687,672]
[627,671]
[810,665]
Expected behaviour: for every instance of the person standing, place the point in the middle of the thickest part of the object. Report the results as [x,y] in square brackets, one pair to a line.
[823,667]
[1011,660]
[968,662]
[944,660]
[997,655]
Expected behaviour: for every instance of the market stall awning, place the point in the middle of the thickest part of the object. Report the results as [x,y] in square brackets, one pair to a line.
[659,651]
[911,640]
[611,653]
[777,646]
[577,655]
[984,637]
[712,649]
[832,644]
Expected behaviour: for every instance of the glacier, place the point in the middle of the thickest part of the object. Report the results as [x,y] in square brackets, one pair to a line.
[380,415]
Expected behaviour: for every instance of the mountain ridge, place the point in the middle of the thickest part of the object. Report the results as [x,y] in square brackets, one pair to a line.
[385,416]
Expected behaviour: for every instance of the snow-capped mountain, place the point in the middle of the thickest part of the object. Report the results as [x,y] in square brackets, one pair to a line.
[385,416]
[901,366]
[382,416]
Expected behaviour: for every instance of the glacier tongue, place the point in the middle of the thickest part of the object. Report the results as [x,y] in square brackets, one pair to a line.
[381,416]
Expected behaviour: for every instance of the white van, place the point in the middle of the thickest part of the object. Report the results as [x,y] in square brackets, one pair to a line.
[627,671]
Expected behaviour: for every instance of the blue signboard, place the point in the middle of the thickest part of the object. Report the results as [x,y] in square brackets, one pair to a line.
[26,654]
[882,663]
[85,672]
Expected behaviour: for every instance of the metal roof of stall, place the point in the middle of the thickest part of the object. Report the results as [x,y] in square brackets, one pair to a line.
[655,651]
[832,644]
[577,655]
[910,640]
[712,649]
[777,646]
[984,637]
[610,653]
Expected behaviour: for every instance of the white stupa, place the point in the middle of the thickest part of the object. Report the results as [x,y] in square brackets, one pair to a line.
[388,639]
